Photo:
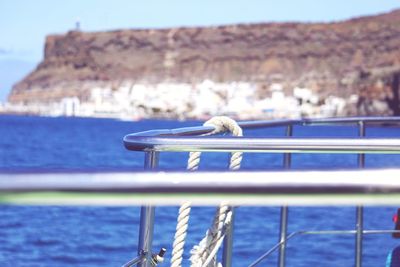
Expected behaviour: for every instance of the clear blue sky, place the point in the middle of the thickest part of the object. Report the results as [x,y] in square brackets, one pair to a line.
[24,23]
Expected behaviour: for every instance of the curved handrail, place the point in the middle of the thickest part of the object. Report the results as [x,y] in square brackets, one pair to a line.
[184,139]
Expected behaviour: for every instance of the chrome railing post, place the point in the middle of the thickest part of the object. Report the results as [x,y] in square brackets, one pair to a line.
[359,235]
[146,235]
[360,209]
[227,249]
[228,242]
[287,160]
[361,133]
[283,236]
[147,219]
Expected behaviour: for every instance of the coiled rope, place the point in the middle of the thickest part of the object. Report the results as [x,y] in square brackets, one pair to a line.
[204,254]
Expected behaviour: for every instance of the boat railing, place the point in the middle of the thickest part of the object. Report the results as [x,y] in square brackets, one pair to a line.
[281,188]
[187,139]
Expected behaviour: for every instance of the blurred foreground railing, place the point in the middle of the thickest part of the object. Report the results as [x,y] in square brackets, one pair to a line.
[284,188]
[377,187]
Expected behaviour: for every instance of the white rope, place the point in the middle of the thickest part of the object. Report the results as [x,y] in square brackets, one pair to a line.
[205,253]
[180,234]
[218,243]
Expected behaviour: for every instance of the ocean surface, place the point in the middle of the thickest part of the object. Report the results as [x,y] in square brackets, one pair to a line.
[107,236]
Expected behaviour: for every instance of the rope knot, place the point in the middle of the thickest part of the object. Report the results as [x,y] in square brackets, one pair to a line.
[221,124]
[224,124]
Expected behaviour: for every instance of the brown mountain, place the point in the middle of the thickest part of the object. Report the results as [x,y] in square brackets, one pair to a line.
[359,56]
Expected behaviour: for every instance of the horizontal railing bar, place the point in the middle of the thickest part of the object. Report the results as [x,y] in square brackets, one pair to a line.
[351,120]
[327,121]
[269,123]
[185,131]
[198,130]
[278,145]
[373,187]
[339,232]
[370,181]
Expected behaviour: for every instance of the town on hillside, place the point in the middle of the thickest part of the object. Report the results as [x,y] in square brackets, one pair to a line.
[247,71]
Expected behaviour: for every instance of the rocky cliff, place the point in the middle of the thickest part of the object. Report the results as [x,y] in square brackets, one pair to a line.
[357,56]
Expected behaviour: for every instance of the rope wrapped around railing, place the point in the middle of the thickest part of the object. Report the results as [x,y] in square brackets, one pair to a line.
[204,254]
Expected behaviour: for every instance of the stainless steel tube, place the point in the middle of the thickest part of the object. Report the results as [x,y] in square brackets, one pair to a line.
[359,235]
[283,236]
[360,209]
[377,187]
[198,130]
[361,134]
[274,145]
[228,243]
[147,219]
[287,160]
[146,235]
[151,160]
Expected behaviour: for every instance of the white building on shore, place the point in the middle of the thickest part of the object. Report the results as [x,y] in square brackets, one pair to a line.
[133,101]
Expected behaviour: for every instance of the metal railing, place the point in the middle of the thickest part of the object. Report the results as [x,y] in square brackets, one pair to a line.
[184,139]
[203,188]
[259,188]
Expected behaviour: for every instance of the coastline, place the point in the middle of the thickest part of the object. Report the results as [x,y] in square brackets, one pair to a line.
[182,101]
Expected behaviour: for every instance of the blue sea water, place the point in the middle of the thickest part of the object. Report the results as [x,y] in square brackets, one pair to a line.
[107,236]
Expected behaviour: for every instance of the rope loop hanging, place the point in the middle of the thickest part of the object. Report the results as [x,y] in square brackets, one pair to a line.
[204,254]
